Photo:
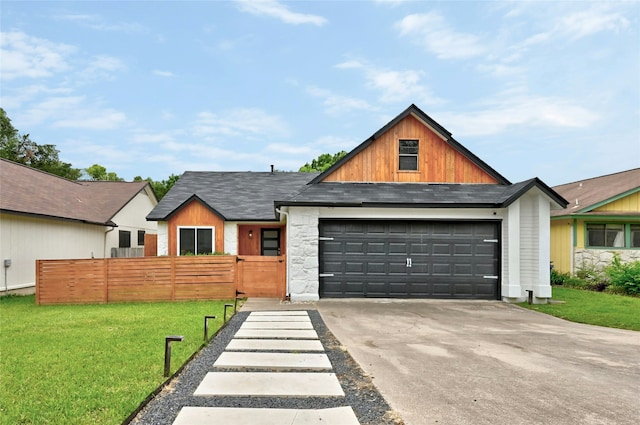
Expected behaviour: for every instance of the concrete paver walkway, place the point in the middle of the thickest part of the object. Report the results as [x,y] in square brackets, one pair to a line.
[280,339]
[237,416]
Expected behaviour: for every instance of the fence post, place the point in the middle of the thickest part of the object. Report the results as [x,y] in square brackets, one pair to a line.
[105,276]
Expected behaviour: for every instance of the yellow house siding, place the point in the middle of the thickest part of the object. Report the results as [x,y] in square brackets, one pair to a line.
[630,203]
[580,234]
[561,249]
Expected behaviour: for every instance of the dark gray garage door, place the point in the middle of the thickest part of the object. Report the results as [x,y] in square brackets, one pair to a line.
[409,259]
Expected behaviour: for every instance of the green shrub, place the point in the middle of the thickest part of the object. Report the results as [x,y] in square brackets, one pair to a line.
[559,278]
[595,279]
[624,275]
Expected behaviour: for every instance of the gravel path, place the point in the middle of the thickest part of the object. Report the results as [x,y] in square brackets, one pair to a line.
[360,393]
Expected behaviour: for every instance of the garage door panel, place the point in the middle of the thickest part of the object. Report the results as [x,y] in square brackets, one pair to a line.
[375,248]
[463,249]
[441,249]
[448,259]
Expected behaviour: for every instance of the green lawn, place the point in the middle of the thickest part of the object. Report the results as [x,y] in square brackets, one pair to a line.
[90,364]
[594,308]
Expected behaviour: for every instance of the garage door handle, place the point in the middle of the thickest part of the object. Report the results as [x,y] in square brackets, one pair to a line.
[491,240]
[326,274]
[490,277]
[408,262]
[325,238]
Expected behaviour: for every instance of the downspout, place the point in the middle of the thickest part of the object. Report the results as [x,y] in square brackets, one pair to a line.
[105,242]
[288,294]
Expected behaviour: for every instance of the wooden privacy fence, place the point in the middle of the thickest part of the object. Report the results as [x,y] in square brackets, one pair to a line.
[107,280]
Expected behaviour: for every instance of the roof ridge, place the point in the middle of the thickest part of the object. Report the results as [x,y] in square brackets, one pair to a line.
[599,177]
[28,167]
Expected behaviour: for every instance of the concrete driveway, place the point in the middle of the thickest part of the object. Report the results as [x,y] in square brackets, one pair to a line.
[452,362]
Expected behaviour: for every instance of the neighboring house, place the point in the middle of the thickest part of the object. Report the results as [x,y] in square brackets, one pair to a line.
[602,218]
[43,216]
[409,213]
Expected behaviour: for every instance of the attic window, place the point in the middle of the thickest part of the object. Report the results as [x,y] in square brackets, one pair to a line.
[408,155]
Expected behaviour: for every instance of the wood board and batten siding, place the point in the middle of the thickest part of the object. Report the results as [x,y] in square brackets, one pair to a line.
[158,279]
[195,214]
[438,162]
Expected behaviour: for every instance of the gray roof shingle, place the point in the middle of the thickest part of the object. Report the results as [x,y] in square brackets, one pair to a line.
[414,195]
[235,196]
[586,195]
[26,190]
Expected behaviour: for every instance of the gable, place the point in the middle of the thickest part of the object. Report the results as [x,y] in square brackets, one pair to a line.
[195,213]
[438,161]
[625,204]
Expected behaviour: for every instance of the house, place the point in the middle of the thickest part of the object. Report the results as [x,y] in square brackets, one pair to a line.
[43,216]
[409,213]
[602,219]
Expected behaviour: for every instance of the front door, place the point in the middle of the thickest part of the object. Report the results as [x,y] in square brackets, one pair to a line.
[270,242]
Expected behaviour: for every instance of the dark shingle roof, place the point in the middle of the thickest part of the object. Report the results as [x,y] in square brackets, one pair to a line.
[586,195]
[415,195]
[235,196]
[26,190]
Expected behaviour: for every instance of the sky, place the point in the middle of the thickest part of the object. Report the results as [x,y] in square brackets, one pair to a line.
[153,88]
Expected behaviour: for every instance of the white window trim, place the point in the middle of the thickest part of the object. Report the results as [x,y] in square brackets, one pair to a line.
[213,236]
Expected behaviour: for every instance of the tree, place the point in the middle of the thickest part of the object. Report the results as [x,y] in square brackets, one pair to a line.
[322,162]
[99,173]
[20,148]
[160,187]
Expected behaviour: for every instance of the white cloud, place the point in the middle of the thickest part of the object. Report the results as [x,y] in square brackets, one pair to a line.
[73,112]
[286,149]
[394,85]
[586,22]
[508,111]
[336,104]
[160,73]
[432,32]
[102,67]
[240,122]
[24,56]
[277,10]
[96,22]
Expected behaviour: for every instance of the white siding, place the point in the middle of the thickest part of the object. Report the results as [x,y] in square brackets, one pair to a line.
[132,219]
[526,248]
[26,239]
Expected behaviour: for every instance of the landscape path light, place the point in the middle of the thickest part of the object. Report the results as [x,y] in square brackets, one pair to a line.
[167,351]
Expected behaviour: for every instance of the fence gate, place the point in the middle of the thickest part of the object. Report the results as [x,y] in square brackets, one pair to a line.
[261,276]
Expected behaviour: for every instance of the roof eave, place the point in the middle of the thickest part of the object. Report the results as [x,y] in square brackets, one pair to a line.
[609,200]
[536,182]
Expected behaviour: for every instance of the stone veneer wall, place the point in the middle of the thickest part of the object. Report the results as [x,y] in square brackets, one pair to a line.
[601,258]
[302,253]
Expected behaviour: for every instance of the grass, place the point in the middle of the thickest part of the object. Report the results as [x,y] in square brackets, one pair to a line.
[90,364]
[593,308]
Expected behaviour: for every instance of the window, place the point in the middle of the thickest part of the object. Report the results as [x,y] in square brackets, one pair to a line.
[408,155]
[140,237]
[270,242]
[195,240]
[124,239]
[635,235]
[606,235]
